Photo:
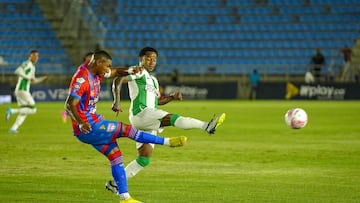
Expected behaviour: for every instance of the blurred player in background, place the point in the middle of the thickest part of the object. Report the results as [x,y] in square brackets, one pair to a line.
[254,79]
[91,128]
[347,73]
[318,62]
[144,113]
[26,103]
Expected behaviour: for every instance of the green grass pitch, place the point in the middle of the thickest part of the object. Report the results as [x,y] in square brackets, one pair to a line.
[253,157]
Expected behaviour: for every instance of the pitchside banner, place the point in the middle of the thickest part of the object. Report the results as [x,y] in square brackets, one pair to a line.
[333,91]
[41,93]
[223,90]
[5,93]
[189,90]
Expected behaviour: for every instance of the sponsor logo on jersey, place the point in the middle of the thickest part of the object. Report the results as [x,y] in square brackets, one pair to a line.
[80,80]
[151,88]
[111,127]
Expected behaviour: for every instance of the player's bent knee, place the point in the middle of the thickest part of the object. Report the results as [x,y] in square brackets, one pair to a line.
[143,161]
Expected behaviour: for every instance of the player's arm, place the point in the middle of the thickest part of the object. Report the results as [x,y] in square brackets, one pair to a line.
[39,79]
[116,90]
[134,72]
[70,107]
[166,99]
[20,71]
[123,71]
[119,72]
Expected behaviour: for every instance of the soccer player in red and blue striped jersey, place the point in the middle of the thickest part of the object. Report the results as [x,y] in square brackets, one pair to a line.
[91,128]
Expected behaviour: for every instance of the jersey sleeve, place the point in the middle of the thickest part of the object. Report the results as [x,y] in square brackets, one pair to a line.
[24,71]
[79,87]
[132,77]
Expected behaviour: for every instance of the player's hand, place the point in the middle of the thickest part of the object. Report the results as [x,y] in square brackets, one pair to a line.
[116,108]
[85,127]
[177,95]
[136,69]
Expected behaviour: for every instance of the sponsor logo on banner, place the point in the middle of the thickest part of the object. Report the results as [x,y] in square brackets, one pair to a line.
[190,92]
[291,90]
[322,92]
[60,93]
[314,91]
[50,94]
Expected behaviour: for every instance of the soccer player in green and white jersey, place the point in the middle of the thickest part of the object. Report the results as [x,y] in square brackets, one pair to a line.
[26,103]
[144,113]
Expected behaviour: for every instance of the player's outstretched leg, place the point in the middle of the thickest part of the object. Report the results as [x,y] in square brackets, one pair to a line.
[145,137]
[215,123]
[114,155]
[172,142]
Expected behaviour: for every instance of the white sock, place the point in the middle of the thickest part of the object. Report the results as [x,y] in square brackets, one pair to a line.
[190,123]
[167,141]
[132,169]
[27,110]
[19,120]
[24,110]
[14,111]
[124,196]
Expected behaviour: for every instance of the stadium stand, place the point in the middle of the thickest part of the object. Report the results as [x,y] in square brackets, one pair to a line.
[23,27]
[232,35]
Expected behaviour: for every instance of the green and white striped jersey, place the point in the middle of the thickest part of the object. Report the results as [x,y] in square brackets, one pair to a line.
[144,91]
[26,72]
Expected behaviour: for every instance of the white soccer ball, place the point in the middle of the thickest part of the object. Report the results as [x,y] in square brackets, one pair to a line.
[296,118]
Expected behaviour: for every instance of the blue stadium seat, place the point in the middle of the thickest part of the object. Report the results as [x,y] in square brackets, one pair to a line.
[22,21]
[191,32]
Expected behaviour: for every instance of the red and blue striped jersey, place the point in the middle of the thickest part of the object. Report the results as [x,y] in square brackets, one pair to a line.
[85,87]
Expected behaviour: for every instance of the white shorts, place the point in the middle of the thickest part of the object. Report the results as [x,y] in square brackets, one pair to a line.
[24,98]
[148,120]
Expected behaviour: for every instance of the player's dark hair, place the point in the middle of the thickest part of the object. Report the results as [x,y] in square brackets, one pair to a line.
[87,54]
[146,49]
[34,51]
[102,54]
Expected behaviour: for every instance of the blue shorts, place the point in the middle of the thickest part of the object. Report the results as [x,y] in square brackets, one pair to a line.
[102,133]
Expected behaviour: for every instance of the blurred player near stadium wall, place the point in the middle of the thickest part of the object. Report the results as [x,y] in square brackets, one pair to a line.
[175,76]
[347,72]
[254,79]
[318,62]
[144,113]
[91,128]
[26,103]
